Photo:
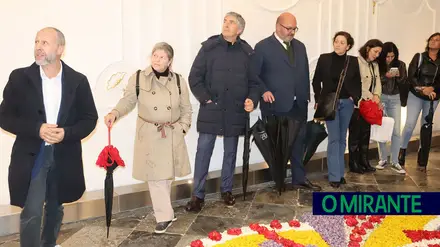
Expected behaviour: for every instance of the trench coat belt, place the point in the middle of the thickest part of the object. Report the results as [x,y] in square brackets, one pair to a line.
[160,126]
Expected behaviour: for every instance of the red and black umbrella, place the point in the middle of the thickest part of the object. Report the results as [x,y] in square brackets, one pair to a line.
[109,159]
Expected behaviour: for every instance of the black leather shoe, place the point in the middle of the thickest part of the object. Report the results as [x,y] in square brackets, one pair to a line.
[364,161]
[335,184]
[228,198]
[195,205]
[162,227]
[353,162]
[355,168]
[343,181]
[364,148]
[368,168]
[307,185]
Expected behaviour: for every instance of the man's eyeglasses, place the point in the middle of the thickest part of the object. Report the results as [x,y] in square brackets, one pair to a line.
[290,29]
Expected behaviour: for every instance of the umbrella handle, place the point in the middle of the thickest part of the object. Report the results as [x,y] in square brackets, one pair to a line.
[109,138]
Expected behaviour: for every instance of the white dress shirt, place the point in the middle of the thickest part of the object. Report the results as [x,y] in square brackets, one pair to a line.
[281,41]
[51,95]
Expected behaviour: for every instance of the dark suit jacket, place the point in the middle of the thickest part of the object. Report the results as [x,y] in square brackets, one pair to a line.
[22,114]
[277,75]
[352,82]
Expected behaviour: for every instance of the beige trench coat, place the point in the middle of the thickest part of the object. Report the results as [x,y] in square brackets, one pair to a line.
[366,79]
[155,157]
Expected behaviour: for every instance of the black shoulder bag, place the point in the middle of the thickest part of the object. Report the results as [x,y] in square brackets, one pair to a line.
[327,104]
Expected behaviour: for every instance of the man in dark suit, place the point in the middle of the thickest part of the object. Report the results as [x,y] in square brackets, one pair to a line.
[283,70]
[50,109]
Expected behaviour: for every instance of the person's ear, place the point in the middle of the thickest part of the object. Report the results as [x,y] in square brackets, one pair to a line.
[60,50]
[240,31]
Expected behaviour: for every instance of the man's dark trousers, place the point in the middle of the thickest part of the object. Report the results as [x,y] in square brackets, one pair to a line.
[297,112]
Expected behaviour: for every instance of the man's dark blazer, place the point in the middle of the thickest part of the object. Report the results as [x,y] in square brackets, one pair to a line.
[277,75]
[22,113]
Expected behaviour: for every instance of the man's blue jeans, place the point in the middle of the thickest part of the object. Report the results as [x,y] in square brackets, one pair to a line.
[42,189]
[205,146]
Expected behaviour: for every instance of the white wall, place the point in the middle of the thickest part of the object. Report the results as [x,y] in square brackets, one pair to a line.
[113,37]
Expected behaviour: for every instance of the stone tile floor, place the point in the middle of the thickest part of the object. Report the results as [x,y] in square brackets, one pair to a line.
[262,204]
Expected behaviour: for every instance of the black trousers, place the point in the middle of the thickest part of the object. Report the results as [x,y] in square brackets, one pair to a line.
[359,138]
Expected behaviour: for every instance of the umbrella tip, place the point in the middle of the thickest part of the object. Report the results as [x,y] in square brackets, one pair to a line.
[108,231]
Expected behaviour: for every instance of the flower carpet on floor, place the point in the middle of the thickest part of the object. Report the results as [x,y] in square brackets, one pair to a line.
[332,231]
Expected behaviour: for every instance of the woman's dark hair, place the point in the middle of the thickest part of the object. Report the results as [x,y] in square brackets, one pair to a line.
[350,40]
[370,44]
[382,59]
[427,42]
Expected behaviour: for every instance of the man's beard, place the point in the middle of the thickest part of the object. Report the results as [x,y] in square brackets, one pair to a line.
[47,60]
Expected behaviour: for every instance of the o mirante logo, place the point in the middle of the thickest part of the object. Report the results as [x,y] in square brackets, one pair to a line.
[376,203]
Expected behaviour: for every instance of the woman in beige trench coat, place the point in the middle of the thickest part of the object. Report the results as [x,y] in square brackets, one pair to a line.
[164,117]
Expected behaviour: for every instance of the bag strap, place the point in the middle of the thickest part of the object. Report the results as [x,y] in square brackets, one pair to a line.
[341,81]
[373,77]
[137,83]
[342,77]
[178,82]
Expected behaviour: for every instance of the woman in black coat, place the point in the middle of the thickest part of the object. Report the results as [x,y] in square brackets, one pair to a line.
[424,77]
[328,74]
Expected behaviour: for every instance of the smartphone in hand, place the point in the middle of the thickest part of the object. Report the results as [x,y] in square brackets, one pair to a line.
[394,71]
